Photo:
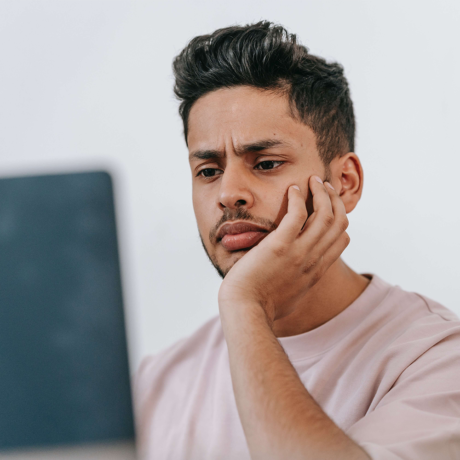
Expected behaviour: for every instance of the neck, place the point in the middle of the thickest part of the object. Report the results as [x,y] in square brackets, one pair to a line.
[334,292]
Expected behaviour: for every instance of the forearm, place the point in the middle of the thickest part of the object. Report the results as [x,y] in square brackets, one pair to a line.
[279,417]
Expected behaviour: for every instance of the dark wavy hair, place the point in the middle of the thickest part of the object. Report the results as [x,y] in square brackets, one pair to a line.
[268,57]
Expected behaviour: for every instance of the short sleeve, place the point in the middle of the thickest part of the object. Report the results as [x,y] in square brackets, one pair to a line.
[419,418]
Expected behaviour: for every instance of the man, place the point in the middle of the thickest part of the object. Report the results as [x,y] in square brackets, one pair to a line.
[307,359]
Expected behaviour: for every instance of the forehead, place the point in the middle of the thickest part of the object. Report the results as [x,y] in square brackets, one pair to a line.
[243,115]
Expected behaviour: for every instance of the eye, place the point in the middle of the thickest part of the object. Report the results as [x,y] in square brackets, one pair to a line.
[208,172]
[268,164]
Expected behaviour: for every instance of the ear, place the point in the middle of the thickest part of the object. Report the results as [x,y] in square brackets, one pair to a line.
[347,178]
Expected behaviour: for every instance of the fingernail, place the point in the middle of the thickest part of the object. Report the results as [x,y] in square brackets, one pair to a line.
[329,185]
[296,187]
[318,179]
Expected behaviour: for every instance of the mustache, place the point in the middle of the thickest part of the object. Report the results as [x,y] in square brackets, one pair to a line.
[240,214]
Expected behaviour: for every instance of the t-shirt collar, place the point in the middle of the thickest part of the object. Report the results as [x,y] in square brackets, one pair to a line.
[324,337]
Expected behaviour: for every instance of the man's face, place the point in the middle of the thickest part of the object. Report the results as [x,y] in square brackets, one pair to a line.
[246,149]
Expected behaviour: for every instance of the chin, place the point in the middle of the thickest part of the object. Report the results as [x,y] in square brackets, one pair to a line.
[236,255]
[231,259]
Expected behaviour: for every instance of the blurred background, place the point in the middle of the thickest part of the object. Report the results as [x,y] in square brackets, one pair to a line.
[87,85]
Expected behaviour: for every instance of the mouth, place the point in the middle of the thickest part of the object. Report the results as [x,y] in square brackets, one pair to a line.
[240,235]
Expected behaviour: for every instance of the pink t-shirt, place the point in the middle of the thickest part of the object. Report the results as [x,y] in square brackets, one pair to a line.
[386,370]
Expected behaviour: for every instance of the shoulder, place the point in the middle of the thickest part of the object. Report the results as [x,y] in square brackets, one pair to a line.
[185,350]
[412,316]
[416,406]
[412,338]
[431,341]
[179,359]
[403,332]
[422,320]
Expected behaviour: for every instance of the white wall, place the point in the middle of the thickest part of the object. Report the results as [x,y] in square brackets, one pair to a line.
[89,84]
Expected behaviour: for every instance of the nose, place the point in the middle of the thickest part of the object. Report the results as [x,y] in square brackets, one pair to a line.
[235,190]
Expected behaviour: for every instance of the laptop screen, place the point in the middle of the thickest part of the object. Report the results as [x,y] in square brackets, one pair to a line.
[63,354]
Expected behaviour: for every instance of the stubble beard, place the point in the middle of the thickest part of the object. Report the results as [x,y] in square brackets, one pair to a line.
[228,216]
[242,214]
[214,262]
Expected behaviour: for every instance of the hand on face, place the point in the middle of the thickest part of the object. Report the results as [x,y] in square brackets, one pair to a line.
[280,270]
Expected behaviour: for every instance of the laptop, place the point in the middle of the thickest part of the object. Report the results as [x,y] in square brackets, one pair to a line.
[64,375]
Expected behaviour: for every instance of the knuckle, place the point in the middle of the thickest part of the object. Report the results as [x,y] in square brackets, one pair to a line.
[280,250]
[301,219]
[298,263]
[328,220]
[343,223]
[346,238]
[316,276]
[310,264]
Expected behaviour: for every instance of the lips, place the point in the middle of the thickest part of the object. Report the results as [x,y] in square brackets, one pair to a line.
[240,235]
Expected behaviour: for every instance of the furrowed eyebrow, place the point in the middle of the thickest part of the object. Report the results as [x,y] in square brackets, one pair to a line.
[206,155]
[247,148]
[259,146]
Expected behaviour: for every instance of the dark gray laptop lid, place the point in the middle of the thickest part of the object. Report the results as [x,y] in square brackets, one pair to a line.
[64,376]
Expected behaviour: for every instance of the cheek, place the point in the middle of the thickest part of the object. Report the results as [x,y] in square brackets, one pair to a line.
[200,217]
[203,217]
[271,195]
[273,203]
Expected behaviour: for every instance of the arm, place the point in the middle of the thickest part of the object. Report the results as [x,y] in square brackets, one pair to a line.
[279,417]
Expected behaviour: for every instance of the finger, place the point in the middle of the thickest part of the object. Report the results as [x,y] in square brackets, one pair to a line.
[322,218]
[321,200]
[335,250]
[322,263]
[338,208]
[296,215]
[339,225]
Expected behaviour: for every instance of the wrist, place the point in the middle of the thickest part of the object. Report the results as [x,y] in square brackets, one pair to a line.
[245,311]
